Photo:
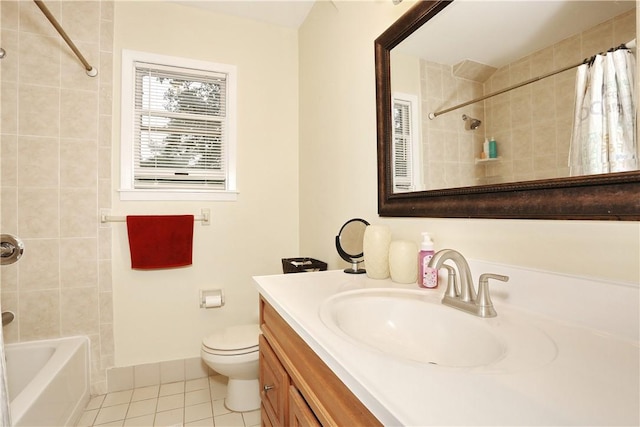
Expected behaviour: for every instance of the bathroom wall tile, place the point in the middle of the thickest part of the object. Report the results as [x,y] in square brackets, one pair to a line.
[9,210]
[9,64]
[78,114]
[104,243]
[120,378]
[78,263]
[520,71]
[624,27]
[106,307]
[106,99]
[104,163]
[9,278]
[32,20]
[104,131]
[39,313]
[146,375]
[38,212]
[106,339]
[106,68]
[195,368]
[172,371]
[10,332]
[106,36]
[38,161]
[8,160]
[106,10]
[78,216]
[9,108]
[542,62]
[598,39]
[73,73]
[78,163]
[78,315]
[104,277]
[39,266]
[80,18]
[567,52]
[38,113]
[39,59]
[10,16]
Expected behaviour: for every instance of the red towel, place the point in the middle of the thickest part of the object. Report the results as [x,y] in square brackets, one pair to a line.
[160,241]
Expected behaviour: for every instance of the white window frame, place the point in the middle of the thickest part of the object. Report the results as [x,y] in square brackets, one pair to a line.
[415,179]
[127,189]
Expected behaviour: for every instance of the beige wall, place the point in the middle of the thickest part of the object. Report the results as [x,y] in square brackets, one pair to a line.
[156,313]
[338,164]
[56,148]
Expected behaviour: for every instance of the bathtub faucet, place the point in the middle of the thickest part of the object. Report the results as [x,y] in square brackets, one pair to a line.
[7,317]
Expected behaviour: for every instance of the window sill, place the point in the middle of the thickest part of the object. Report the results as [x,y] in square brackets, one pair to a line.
[178,195]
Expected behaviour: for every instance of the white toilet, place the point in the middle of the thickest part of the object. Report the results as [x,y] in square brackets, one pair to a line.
[233,352]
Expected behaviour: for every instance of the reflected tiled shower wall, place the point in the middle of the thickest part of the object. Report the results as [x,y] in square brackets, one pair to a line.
[55,174]
[532,124]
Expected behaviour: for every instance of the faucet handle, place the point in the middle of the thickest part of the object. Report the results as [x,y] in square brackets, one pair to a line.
[483,302]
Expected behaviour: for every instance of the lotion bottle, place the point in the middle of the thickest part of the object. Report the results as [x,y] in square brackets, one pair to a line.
[427,276]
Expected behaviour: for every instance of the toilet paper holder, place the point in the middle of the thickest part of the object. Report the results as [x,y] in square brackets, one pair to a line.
[211,298]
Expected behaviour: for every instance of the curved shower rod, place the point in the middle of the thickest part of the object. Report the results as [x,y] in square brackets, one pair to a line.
[91,72]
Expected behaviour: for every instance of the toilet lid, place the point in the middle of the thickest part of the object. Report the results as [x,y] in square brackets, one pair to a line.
[233,338]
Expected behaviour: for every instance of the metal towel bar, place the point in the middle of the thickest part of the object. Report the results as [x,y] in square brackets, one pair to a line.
[204,217]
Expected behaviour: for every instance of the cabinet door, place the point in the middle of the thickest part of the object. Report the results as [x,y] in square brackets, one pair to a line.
[300,415]
[274,383]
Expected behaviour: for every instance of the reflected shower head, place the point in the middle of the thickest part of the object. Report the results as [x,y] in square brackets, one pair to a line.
[470,122]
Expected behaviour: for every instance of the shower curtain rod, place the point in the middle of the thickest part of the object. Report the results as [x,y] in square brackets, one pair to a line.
[629,45]
[91,72]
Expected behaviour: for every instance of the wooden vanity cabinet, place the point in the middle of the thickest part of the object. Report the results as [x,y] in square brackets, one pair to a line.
[297,388]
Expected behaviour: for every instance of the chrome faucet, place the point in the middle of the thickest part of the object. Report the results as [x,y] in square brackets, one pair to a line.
[466,298]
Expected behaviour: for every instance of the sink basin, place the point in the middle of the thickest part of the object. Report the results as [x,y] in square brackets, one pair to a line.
[414,326]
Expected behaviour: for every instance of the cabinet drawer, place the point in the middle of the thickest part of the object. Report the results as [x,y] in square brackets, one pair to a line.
[300,415]
[274,385]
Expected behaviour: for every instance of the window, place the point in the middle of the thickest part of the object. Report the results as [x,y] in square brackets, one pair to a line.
[178,129]
[406,159]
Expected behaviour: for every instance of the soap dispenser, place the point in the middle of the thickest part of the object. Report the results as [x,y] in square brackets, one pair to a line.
[427,276]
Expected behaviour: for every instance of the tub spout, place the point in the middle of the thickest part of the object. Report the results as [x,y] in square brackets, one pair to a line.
[7,317]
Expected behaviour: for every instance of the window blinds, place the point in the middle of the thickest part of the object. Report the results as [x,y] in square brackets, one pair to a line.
[402,146]
[180,124]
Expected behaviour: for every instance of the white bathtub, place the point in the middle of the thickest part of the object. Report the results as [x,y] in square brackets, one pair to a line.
[48,381]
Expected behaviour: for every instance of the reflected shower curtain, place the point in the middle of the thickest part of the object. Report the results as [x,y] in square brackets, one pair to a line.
[5,416]
[604,136]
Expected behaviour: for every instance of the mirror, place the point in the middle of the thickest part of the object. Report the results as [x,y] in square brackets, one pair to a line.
[538,195]
[349,242]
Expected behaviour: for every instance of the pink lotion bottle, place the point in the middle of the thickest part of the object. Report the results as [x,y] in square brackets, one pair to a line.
[427,276]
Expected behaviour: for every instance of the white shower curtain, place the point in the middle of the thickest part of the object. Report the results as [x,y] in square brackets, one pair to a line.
[5,415]
[604,136]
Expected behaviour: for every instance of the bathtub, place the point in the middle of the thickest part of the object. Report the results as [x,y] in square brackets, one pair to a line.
[48,381]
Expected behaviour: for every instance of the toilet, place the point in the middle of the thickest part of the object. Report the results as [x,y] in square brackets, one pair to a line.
[233,352]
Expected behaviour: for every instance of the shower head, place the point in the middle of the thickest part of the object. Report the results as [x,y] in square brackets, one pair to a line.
[471,123]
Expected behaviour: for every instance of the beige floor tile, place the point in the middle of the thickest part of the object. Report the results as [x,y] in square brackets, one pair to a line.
[195,397]
[197,384]
[87,418]
[111,413]
[142,407]
[95,402]
[233,419]
[171,388]
[169,418]
[174,401]
[117,398]
[207,422]
[118,423]
[219,408]
[144,421]
[198,412]
[145,393]
[251,418]
[218,387]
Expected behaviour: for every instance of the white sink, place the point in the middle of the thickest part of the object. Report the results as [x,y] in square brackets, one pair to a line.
[414,326]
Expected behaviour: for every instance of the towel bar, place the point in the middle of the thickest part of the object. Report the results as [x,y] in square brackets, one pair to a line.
[104,218]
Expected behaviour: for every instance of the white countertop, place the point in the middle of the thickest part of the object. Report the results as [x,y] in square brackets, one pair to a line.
[593,380]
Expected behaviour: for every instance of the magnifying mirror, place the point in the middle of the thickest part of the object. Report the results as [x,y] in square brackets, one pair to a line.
[349,244]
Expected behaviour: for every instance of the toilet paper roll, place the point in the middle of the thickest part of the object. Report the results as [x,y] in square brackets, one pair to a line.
[213,301]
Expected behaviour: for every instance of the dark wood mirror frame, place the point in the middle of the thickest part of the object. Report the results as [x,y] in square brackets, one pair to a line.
[613,196]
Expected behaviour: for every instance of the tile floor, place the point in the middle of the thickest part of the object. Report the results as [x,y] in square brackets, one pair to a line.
[198,402]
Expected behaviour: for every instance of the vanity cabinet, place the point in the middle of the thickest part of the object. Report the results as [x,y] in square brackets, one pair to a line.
[297,388]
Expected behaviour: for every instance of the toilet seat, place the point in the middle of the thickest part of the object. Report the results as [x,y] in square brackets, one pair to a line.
[232,341]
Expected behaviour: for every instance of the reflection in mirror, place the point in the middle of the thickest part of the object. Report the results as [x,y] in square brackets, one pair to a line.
[515,162]
[349,242]
[509,70]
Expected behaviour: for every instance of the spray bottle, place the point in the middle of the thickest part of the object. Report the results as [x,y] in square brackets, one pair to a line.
[427,276]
